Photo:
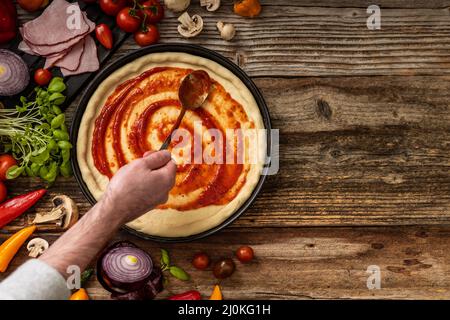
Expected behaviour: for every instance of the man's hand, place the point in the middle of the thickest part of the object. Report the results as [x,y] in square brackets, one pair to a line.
[139,186]
[135,189]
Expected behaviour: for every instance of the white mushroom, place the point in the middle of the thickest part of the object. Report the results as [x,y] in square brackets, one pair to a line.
[190,26]
[177,5]
[36,247]
[64,213]
[227,30]
[211,5]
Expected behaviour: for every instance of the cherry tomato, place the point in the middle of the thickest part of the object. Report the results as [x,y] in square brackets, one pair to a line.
[112,7]
[6,162]
[224,268]
[154,11]
[126,21]
[148,37]
[42,76]
[104,35]
[31,5]
[245,254]
[201,261]
[2,192]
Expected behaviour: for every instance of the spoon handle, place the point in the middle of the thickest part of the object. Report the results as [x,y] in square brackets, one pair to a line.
[166,143]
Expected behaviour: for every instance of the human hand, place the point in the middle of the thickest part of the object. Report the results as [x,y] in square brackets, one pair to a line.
[139,186]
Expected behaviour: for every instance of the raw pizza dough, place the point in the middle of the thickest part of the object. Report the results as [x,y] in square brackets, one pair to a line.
[168,222]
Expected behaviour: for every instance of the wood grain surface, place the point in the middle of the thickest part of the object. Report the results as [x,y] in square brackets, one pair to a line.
[364,152]
[312,263]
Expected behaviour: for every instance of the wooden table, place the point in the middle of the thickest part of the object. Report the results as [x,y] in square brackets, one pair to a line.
[364,119]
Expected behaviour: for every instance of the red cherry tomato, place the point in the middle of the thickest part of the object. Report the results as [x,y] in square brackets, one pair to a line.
[245,254]
[126,21]
[104,35]
[2,192]
[201,261]
[112,7]
[42,76]
[148,37]
[154,11]
[6,162]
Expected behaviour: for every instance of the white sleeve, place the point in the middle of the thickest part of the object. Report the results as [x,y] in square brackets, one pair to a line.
[34,280]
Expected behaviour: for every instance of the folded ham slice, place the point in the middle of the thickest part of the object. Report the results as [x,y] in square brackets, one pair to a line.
[53,25]
[50,36]
[89,61]
[46,49]
[69,61]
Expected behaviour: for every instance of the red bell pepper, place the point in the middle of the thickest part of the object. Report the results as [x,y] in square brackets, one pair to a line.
[12,208]
[189,295]
[8,20]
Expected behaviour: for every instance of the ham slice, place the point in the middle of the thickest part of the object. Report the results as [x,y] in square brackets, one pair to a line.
[51,27]
[89,61]
[69,61]
[46,50]
[71,49]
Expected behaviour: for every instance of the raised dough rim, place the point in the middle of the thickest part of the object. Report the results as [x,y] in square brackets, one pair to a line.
[171,225]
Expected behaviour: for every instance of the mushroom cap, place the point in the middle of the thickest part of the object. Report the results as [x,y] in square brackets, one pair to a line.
[211,5]
[37,242]
[190,26]
[64,213]
[177,5]
[227,30]
[37,246]
[70,208]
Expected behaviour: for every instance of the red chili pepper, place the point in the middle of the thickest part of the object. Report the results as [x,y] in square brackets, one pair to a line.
[12,208]
[8,20]
[189,295]
[104,35]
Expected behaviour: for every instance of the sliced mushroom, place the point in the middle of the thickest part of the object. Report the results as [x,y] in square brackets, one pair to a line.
[177,5]
[190,26]
[211,5]
[64,213]
[36,247]
[227,30]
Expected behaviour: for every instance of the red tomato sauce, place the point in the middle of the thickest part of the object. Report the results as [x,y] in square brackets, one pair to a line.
[220,183]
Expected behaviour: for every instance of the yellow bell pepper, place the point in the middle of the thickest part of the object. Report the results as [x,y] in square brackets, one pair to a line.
[9,248]
[79,295]
[216,294]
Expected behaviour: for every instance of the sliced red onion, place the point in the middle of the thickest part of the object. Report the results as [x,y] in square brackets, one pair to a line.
[14,76]
[123,268]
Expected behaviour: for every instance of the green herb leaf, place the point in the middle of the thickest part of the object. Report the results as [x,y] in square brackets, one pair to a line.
[179,273]
[165,258]
[85,276]
[13,172]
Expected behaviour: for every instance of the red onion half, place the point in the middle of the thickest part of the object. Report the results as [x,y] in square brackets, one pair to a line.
[14,75]
[124,267]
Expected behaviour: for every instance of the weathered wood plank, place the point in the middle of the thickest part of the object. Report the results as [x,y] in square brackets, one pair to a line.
[297,38]
[354,151]
[307,263]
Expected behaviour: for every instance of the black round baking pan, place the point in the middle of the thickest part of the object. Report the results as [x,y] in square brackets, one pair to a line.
[185,48]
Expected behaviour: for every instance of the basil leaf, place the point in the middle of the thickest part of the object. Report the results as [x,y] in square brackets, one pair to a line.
[13,172]
[179,273]
[165,259]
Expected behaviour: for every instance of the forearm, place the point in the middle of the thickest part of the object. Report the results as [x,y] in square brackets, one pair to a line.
[81,243]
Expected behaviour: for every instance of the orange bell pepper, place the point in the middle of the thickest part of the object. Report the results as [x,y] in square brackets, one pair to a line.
[79,295]
[247,8]
[216,294]
[9,248]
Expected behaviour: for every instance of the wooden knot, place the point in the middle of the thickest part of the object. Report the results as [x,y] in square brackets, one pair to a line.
[324,109]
